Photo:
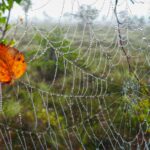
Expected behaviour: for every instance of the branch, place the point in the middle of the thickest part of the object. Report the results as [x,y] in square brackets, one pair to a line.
[120,38]
[6,25]
[132,1]
[121,43]
[115,12]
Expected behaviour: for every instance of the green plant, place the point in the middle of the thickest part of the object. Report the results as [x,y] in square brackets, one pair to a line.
[5,8]
[59,49]
[12,108]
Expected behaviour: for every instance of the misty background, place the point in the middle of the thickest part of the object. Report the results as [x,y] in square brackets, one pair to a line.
[49,11]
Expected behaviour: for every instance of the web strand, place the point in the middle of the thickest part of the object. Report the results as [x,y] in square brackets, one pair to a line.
[78,92]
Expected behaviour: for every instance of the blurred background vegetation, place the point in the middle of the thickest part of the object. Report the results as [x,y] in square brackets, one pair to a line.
[76,90]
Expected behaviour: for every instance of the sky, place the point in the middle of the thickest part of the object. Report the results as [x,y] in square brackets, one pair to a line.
[56,8]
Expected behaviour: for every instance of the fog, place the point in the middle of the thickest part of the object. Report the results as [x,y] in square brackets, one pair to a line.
[55,9]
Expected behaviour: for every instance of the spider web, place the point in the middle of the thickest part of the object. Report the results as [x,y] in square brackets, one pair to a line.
[77,92]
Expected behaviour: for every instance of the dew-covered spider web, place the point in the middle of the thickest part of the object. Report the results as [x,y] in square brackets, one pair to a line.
[87,83]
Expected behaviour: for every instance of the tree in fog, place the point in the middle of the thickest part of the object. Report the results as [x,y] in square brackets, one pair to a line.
[130,22]
[26,5]
[86,14]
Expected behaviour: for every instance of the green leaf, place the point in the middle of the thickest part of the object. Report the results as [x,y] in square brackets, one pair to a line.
[8,27]
[4,41]
[18,1]
[2,20]
[3,7]
[10,4]
[12,42]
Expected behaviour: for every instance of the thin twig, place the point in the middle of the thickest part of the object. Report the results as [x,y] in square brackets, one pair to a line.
[121,43]
[6,25]
[132,1]
[120,38]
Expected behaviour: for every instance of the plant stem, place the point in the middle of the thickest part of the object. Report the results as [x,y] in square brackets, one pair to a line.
[121,44]
[1,97]
[6,25]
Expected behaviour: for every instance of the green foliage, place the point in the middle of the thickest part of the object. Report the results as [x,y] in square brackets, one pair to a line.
[11,108]
[129,93]
[5,8]
[142,109]
[58,50]
[18,1]
[141,113]
[6,5]
[2,20]
[136,99]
